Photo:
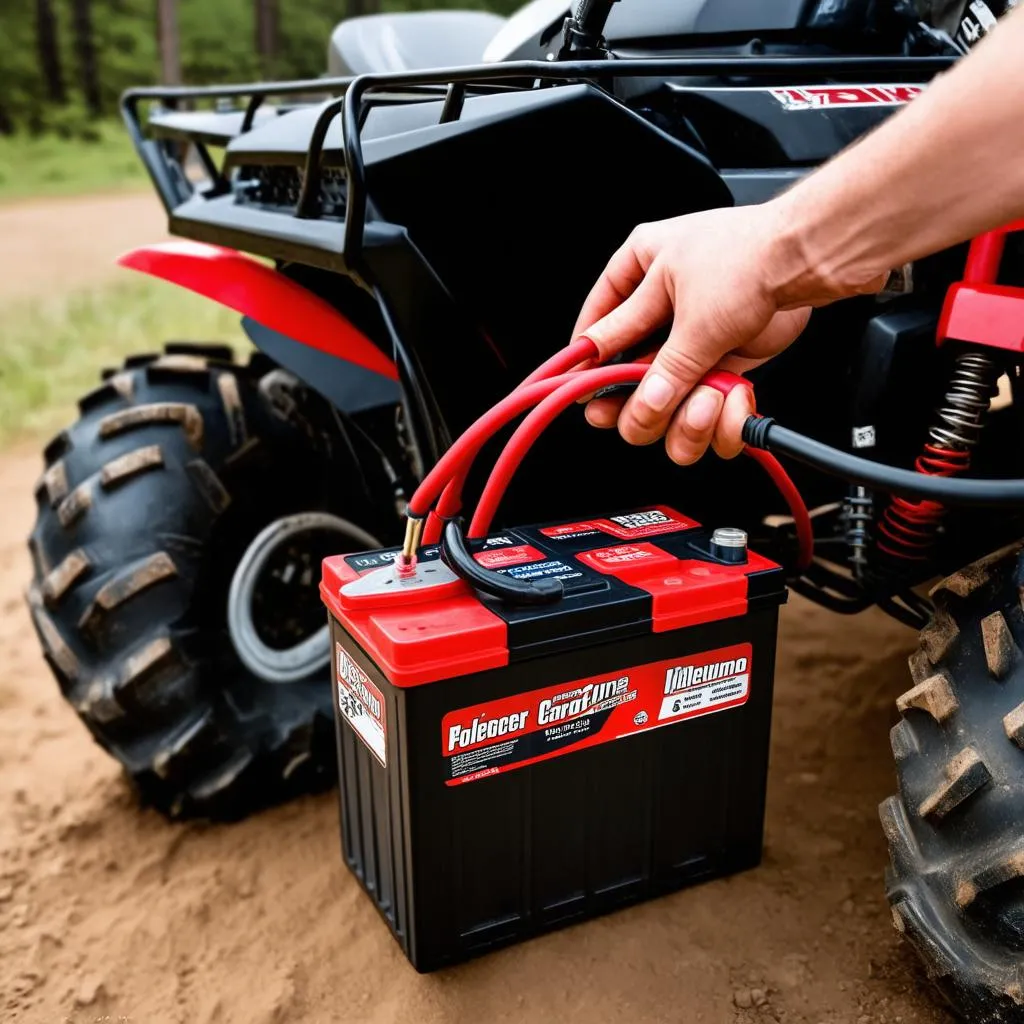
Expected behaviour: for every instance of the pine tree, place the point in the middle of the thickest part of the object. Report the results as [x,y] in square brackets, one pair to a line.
[267,14]
[85,52]
[49,51]
[169,41]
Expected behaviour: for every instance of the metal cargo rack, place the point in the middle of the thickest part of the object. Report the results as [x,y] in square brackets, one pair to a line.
[338,246]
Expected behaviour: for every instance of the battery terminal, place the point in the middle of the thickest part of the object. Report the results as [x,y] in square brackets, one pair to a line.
[405,563]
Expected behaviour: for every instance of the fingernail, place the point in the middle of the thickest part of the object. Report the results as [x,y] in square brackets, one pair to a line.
[702,410]
[656,392]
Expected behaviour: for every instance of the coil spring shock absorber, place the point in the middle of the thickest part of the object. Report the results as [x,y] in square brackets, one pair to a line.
[908,528]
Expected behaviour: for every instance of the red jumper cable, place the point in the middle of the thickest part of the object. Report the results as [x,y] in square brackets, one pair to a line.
[554,394]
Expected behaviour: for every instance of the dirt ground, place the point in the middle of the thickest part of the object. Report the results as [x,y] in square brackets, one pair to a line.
[109,914]
[54,245]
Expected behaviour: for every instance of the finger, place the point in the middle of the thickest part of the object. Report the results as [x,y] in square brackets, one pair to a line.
[693,425]
[632,320]
[728,434]
[603,413]
[677,367]
[617,282]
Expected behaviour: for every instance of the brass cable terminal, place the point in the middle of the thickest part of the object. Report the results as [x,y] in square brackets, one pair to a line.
[405,564]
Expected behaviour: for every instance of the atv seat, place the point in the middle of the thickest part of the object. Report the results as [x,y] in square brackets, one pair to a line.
[413,41]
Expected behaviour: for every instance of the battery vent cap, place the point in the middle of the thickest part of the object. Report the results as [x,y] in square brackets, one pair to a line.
[729,544]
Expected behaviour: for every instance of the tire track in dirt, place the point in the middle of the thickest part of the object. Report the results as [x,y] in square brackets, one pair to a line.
[108,912]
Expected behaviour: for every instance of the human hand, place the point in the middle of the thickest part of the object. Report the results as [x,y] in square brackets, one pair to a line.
[730,283]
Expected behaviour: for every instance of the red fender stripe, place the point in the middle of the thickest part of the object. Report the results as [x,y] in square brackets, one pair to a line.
[258,291]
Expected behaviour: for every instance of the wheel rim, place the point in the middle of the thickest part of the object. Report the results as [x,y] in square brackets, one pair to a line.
[271,588]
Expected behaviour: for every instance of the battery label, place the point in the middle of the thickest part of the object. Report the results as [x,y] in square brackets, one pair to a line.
[511,732]
[362,704]
[552,569]
[500,557]
[632,526]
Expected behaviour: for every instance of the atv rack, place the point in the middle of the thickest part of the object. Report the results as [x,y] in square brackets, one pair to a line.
[450,87]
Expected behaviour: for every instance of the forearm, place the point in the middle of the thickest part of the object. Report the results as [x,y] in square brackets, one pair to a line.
[948,166]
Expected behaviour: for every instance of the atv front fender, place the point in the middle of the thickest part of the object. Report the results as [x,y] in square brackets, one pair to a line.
[263,295]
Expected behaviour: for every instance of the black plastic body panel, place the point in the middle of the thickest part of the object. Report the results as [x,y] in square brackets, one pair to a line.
[351,388]
[741,126]
[491,215]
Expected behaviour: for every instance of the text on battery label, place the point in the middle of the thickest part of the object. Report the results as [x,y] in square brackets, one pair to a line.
[361,704]
[680,677]
[358,681]
[706,697]
[635,520]
[519,729]
[480,729]
[554,710]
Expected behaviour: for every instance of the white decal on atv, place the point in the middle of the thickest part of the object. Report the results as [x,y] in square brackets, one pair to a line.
[978,21]
[864,437]
[820,97]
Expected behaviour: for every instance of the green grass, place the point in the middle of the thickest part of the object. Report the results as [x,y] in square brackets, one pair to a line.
[48,165]
[52,351]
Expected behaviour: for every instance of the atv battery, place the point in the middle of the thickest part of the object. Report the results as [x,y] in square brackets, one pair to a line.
[508,770]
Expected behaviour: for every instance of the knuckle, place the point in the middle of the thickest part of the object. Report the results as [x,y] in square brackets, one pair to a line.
[641,233]
[678,363]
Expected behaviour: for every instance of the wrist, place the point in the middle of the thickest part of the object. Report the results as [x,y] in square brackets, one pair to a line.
[814,255]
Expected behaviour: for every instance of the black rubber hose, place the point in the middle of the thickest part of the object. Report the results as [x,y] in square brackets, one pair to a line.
[460,560]
[764,432]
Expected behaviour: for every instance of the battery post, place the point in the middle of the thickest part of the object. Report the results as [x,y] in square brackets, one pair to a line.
[405,563]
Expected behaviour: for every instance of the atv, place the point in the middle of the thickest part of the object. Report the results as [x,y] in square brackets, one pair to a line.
[404,241]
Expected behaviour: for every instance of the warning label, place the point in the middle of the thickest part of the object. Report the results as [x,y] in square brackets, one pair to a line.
[361,704]
[495,737]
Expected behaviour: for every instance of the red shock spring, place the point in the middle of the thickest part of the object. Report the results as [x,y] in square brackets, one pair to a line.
[908,528]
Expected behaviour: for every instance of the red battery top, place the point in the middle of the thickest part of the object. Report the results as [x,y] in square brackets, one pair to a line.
[643,571]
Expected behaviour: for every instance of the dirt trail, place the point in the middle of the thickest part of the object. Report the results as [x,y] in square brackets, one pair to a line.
[52,246]
[108,913]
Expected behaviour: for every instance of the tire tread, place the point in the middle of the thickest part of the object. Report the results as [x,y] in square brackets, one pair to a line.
[149,694]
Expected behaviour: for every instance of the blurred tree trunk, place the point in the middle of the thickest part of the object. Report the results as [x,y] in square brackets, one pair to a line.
[6,124]
[357,8]
[266,34]
[49,51]
[169,41]
[85,51]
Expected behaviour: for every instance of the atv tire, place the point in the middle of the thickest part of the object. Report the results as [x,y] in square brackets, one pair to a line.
[145,509]
[956,829]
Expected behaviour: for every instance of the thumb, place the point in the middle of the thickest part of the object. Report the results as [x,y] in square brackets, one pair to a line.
[677,367]
[633,320]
